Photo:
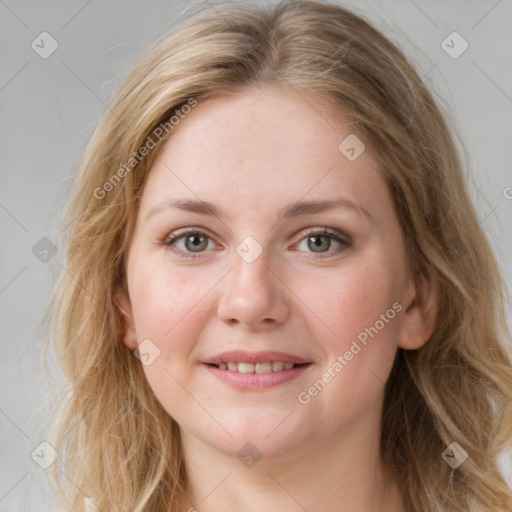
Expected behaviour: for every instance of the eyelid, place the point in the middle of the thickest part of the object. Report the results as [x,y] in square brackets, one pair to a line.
[178,233]
[333,233]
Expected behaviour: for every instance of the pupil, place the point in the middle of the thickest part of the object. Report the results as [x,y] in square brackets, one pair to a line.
[317,243]
[194,241]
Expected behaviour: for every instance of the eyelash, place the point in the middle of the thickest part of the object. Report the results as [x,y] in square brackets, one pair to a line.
[344,240]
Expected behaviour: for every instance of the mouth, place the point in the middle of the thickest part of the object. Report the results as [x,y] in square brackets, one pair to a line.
[257,370]
[265,367]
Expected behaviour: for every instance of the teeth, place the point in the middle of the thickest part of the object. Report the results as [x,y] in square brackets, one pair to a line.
[267,367]
[263,367]
[245,367]
[277,366]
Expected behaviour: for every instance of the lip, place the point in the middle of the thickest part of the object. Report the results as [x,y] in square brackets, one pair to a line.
[256,381]
[242,356]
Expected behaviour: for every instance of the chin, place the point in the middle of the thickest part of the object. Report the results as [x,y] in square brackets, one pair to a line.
[257,442]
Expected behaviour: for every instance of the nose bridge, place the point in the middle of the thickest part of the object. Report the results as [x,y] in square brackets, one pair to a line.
[252,294]
[251,259]
[251,269]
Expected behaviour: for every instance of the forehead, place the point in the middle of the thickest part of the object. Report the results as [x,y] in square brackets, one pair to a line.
[263,146]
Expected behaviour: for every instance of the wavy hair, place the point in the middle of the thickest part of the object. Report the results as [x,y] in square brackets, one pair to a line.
[117,445]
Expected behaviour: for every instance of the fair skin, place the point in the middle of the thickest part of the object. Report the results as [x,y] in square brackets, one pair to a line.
[252,154]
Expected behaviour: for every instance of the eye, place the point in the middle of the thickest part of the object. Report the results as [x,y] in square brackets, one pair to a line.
[192,243]
[189,242]
[321,241]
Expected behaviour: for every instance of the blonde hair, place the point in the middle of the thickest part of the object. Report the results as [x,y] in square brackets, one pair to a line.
[116,443]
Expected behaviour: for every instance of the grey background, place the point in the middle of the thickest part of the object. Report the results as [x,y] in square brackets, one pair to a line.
[49,108]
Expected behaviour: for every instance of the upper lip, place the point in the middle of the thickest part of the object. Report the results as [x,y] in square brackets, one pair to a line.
[242,356]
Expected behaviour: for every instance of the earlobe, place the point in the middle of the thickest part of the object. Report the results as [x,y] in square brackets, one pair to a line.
[125,310]
[419,319]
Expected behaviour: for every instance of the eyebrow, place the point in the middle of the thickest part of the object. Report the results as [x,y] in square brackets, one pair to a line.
[293,210]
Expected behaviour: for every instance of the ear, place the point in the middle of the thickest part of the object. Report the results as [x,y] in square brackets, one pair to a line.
[419,319]
[125,308]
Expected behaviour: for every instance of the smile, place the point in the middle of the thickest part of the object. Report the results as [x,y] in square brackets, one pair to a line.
[256,376]
[266,367]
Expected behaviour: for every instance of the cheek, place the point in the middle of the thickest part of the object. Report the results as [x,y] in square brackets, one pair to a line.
[357,306]
[169,310]
[164,301]
[353,298]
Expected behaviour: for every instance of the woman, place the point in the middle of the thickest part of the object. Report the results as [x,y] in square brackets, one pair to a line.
[277,294]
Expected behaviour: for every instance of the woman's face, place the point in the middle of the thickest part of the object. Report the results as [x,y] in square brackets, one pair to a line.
[285,249]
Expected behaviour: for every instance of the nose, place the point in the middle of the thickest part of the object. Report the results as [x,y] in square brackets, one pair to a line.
[254,295]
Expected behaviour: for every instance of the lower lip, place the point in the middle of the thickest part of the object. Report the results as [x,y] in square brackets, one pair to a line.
[257,381]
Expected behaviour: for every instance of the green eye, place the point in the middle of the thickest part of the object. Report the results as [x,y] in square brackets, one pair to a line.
[196,242]
[189,243]
[319,243]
